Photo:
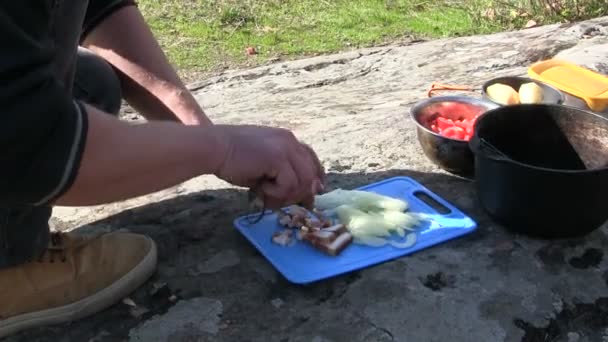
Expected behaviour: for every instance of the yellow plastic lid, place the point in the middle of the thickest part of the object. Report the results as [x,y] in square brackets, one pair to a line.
[575,80]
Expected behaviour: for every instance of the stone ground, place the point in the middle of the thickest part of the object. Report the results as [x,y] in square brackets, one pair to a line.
[212,285]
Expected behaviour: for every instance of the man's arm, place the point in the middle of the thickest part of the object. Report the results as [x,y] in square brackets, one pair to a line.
[149,82]
[123,161]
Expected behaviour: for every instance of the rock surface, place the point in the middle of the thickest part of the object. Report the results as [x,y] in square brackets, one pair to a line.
[187,320]
[352,108]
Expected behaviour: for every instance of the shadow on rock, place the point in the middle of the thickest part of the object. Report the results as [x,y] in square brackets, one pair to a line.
[200,254]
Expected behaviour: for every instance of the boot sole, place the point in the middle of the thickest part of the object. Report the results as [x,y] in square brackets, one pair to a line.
[89,305]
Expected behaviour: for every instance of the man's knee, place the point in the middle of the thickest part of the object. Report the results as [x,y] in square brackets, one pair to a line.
[96,82]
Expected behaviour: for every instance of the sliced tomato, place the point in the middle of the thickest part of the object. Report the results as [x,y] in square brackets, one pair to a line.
[462,123]
[456,108]
[443,123]
[469,130]
[455,129]
[454,132]
[472,126]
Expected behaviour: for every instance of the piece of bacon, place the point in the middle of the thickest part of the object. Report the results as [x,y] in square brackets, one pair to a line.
[333,246]
[283,237]
[332,240]
[329,238]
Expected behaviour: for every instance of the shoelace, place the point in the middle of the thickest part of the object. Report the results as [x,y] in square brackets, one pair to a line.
[4,214]
[61,244]
[56,247]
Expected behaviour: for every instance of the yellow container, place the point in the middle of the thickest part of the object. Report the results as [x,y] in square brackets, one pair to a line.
[586,84]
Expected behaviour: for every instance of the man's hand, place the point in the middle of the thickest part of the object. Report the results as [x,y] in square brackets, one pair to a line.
[272,162]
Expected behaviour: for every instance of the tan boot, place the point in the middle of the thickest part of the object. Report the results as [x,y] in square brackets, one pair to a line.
[77,276]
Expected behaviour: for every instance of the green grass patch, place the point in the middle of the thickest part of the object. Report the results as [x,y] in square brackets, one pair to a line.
[202,36]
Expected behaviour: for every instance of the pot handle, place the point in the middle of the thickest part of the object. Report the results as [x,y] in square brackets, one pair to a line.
[480,145]
[435,86]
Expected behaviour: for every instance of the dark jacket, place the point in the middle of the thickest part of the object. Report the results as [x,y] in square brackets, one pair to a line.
[43,129]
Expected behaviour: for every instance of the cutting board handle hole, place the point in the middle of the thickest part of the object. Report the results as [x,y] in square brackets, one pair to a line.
[431,202]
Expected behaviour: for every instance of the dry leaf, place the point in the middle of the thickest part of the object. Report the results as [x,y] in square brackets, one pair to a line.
[128,301]
[251,51]
[156,287]
[267,29]
[138,311]
[531,23]
[490,13]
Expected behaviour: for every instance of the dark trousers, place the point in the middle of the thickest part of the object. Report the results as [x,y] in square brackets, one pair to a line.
[24,230]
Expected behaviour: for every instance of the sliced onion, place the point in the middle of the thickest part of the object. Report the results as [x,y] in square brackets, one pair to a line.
[400,231]
[371,241]
[410,240]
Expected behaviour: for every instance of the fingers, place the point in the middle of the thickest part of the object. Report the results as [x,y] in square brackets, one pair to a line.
[306,170]
[283,189]
[298,178]
[297,181]
[319,185]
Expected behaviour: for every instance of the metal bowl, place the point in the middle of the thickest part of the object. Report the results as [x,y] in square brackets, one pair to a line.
[452,155]
[551,95]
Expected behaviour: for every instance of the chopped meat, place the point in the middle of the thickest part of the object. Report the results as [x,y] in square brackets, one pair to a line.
[298,221]
[325,222]
[318,231]
[298,217]
[285,220]
[339,244]
[283,237]
[295,210]
[336,229]
[332,240]
[332,247]
[320,236]
[308,222]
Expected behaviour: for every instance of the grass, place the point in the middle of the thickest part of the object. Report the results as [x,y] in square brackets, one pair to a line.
[209,35]
[511,14]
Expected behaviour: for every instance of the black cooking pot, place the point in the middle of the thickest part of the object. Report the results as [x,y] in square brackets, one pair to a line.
[542,170]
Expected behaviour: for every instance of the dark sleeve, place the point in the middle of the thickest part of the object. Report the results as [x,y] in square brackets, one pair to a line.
[42,128]
[98,10]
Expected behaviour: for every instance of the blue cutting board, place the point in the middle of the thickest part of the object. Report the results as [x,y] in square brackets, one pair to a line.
[303,264]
